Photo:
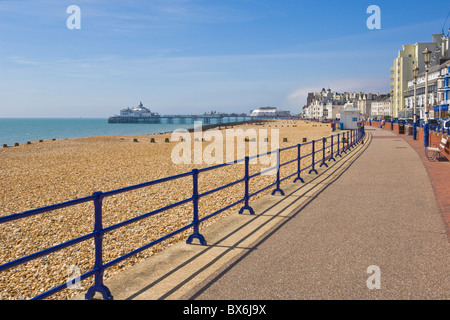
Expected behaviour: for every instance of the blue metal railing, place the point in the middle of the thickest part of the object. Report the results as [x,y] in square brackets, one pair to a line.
[329,149]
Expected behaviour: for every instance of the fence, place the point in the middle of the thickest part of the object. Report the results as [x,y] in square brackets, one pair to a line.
[322,151]
[435,135]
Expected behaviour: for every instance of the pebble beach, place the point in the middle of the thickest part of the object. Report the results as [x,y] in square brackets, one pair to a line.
[49,172]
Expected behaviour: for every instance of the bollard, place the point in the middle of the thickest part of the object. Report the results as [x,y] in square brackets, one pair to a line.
[285,140]
[16,144]
[152,140]
[5,145]
[135,140]
[167,140]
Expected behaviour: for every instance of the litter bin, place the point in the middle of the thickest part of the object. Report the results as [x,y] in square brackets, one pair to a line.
[341,126]
[401,129]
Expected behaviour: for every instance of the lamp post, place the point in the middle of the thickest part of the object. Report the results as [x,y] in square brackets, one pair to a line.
[426,127]
[440,94]
[416,74]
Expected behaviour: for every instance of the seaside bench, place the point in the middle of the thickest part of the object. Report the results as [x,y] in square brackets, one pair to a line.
[433,152]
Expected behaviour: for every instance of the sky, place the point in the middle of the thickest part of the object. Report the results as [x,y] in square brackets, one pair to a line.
[196,56]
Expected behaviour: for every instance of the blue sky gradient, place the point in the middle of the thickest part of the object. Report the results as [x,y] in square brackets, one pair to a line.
[194,56]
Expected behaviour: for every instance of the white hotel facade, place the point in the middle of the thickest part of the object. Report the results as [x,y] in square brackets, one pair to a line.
[438,96]
[328,105]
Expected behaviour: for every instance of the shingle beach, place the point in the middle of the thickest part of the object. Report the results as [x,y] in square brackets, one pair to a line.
[49,172]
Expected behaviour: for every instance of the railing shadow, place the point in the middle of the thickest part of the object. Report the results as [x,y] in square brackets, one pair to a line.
[346,161]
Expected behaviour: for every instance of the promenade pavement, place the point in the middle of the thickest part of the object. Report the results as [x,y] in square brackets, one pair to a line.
[375,206]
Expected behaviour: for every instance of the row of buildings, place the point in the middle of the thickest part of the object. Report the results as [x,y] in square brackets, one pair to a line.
[402,79]
[399,102]
[328,105]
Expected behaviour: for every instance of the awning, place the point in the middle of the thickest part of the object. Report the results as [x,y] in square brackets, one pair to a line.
[443,107]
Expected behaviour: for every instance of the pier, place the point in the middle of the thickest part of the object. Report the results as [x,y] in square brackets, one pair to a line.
[186,119]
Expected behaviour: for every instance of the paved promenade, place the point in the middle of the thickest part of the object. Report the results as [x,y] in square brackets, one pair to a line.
[375,206]
[382,211]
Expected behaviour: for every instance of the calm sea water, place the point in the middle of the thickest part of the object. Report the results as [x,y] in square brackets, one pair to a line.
[23,130]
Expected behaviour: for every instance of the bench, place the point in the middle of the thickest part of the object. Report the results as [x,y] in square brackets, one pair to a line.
[432,152]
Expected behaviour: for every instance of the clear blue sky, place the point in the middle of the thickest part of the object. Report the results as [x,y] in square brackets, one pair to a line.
[187,56]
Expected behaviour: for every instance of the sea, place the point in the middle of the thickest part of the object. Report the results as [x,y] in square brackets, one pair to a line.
[21,130]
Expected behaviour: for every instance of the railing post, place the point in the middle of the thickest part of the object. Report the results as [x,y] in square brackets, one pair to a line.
[196,234]
[278,189]
[323,154]
[338,146]
[344,149]
[298,165]
[98,243]
[246,194]
[313,158]
[350,141]
[332,151]
[361,134]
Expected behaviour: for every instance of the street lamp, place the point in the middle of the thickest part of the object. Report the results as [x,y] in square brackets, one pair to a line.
[416,74]
[426,127]
[440,94]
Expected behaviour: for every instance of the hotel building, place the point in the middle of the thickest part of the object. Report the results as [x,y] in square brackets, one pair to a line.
[408,58]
